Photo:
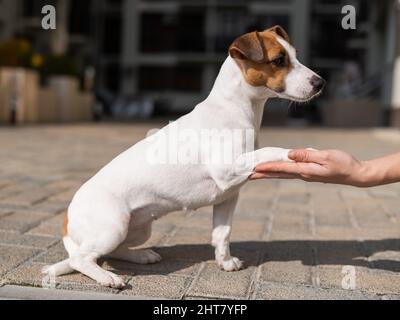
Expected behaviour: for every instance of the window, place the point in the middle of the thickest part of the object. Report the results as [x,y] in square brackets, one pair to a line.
[79,17]
[177,32]
[233,22]
[181,77]
[112,76]
[112,34]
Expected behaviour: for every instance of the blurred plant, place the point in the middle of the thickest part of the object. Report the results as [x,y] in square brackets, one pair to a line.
[37,61]
[16,53]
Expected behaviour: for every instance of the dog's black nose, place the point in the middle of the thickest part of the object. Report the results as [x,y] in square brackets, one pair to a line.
[318,83]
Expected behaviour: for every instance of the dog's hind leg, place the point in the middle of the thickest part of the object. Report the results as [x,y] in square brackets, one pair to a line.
[102,235]
[136,237]
[223,216]
[85,259]
[86,263]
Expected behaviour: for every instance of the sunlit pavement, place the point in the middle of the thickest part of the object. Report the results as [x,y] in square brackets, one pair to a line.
[299,240]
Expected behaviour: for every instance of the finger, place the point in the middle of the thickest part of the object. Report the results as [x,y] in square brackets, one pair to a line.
[257,176]
[303,155]
[280,167]
[260,176]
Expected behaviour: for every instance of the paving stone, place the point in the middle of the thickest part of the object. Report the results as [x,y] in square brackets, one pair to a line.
[305,224]
[4,183]
[28,198]
[78,281]
[5,212]
[10,257]
[92,287]
[63,184]
[366,280]
[341,252]
[171,287]
[294,198]
[63,197]
[301,234]
[190,252]
[247,230]
[332,276]
[55,254]
[384,254]
[294,219]
[158,236]
[384,192]
[392,206]
[174,218]
[286,272]
[166,267]
[370,215]
[50,227]
[30,274]
[13,189]
[288,250]
[391,297]
[49,207]
[278,291]
[21,221]
[39,242]
[190,236]
[321,199]
[378,282]
[292,186]
[349,193]
[338,233]
[331,216]
[380,232]
[253,210]
[214,282]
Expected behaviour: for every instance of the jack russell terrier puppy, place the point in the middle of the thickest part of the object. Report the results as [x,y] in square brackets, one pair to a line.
[113,212]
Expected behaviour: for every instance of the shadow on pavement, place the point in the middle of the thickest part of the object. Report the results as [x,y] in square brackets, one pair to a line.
[374,254]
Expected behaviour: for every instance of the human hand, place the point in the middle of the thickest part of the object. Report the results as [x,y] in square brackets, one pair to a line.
[330,166]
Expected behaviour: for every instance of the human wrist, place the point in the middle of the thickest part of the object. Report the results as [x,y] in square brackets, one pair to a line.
[367,176]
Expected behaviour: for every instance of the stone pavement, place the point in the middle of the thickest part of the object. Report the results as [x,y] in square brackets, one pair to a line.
[299,241]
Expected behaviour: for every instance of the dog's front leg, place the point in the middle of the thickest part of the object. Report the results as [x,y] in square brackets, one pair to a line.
[246,163]
[243,167]
[223,216]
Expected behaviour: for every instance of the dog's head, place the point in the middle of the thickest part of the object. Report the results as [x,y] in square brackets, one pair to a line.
[267,59]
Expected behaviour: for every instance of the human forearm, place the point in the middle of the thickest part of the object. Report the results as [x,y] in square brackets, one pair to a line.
[380,171]
[333,166]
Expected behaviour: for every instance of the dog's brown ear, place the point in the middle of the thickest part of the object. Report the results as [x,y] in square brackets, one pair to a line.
[278,30]
[248,47]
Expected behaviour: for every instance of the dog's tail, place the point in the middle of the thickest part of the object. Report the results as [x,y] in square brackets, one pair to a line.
[58,269]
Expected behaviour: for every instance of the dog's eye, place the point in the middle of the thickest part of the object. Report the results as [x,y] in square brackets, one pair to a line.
[279,62]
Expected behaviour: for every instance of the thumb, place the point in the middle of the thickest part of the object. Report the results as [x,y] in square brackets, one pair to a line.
[304,155]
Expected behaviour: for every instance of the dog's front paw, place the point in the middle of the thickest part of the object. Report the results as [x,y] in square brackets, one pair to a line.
[233,264]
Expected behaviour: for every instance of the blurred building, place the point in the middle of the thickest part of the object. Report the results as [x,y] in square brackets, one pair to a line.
[171,51]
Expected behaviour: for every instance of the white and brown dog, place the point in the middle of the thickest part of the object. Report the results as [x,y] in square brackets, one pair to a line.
[113,212]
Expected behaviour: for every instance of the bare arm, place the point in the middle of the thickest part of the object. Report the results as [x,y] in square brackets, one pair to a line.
[333,166]
[383,171]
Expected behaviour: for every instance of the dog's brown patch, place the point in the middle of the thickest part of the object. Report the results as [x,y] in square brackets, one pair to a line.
[65,224]
[257,53]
